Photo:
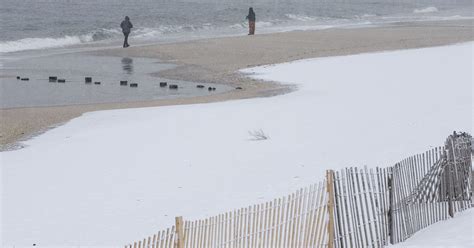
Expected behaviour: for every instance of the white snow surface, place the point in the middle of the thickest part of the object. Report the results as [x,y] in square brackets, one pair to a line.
[456,232]
[111,177]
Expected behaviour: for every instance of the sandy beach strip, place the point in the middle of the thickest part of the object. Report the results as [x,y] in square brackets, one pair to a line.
[217,61]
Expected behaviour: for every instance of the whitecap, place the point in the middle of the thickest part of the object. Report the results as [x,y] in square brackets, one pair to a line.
[425,10]
[42,43]
[300,17]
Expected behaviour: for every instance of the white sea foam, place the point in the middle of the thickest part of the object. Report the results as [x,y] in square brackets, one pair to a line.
[150,32]
[50,42]
[42,43]
[245,25]
[300,17]
[264,24]
[364,16]
[425,10]
[102,35]
[238,25]
[97,35]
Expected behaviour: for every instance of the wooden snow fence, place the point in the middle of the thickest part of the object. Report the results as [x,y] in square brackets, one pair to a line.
[298,220]
[362,206]
[431,187]
[352,207]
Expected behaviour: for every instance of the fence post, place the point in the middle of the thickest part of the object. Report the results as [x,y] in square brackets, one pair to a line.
[330,190]
[179,232]
[390,205]
[449,180]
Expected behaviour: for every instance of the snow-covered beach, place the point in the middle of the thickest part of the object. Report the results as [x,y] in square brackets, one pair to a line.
[109,177]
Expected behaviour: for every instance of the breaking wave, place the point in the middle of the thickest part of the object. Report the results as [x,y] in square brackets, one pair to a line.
[148,33]
[98,35]
[49,42]
[244,25]
[425,10]
[365,16]
[41,43]
[301,17]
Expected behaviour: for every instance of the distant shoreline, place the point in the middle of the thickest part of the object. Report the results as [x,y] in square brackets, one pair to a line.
[218,60]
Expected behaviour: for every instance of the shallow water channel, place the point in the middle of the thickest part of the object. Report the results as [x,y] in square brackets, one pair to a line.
[109,71]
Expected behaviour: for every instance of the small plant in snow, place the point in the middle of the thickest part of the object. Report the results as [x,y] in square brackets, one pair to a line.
[258,135]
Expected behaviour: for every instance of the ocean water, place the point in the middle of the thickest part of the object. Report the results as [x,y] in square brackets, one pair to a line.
[47,24]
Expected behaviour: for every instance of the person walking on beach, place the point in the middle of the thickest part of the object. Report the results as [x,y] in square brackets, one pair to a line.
[251,18]
[126,26]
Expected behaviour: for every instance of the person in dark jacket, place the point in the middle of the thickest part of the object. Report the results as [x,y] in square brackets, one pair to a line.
[251,18]
[126,26]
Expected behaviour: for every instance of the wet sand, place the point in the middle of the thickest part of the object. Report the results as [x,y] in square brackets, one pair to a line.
[217,61]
